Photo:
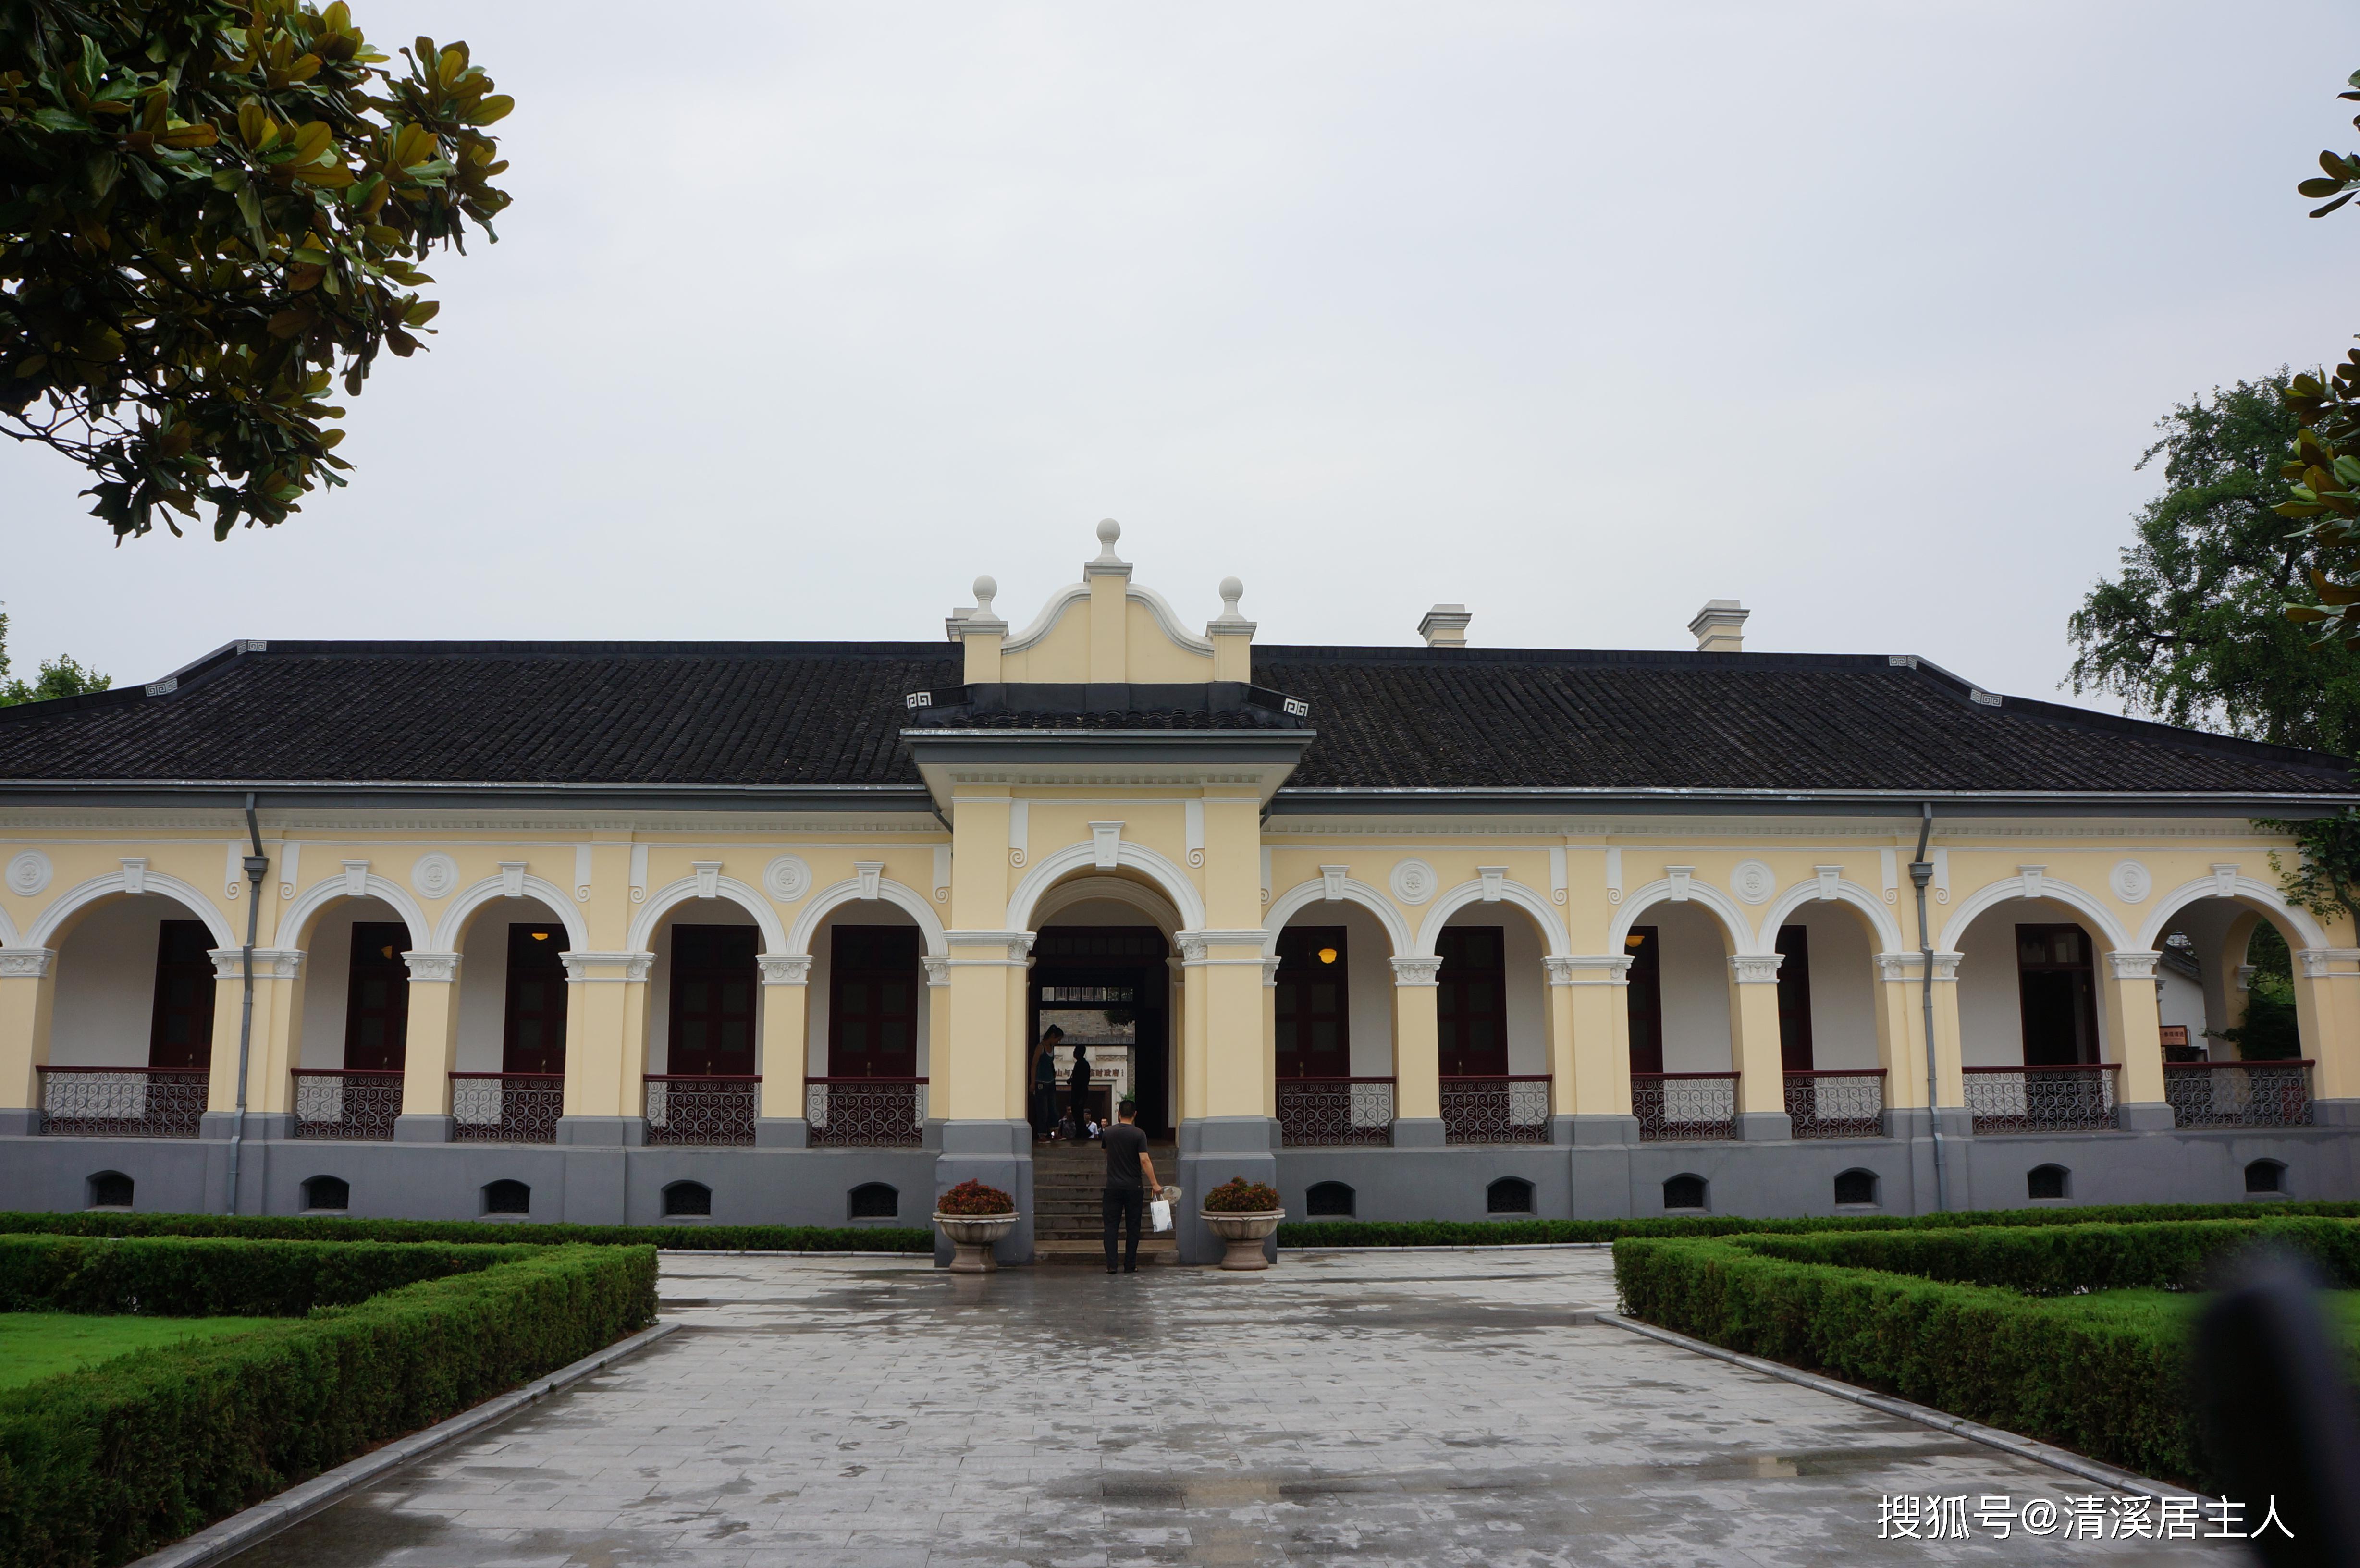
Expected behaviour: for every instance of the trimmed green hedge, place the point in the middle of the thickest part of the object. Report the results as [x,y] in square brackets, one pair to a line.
[192,1277]
[679,1237]
[2058,1260]
[1518,1232]
[105,1465]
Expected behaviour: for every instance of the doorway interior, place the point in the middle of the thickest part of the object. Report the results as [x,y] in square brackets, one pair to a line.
[1109,986]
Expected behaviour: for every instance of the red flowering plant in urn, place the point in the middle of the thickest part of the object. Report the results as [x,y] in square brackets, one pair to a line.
[973,1218]
[1243,1214]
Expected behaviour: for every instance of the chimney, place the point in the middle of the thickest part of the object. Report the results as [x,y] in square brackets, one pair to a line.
[1445,627]
[1719,627]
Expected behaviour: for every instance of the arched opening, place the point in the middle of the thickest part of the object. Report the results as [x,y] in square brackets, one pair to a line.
[2032,1020]
[327,1195]
[2266,1178]
[506,1197]
[1835,1078]
[1683,1050]
[1329,1200]
[352,1018]
[1508,1196]
[109,1190]
[132,1019]
[874,1201]
[1855,1188]
[2232,1034]
[687,1200]
[509,1083]
[1685,1191]
[869,1053]
[1333,1014]
[704,1002]
[2043,1182]
[1491,1012]
[1102,974]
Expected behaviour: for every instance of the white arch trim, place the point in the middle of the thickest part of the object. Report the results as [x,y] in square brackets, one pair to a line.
[1553,937]
[662,900]
[1169,878]
[2306,928]
[62,908]
[2006,888]
[1303,895]
[1115,889]
[1886,929]
[7,929]
[328,889]
[836,895]
[1733,923]
[454,918]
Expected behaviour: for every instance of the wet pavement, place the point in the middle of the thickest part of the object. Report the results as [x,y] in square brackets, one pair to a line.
[1395,1408]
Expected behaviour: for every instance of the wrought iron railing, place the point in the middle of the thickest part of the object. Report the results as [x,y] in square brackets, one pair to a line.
[870,1113]
[347,1102]
[1837,1102]
[1685,1107]
[2074,1098]
[2239,1093]
[122,1102]
[684,1108]
[1512,1109]
[506,1107]
[1340,1110]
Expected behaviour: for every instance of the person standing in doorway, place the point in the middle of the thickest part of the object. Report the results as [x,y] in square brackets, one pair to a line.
[1077,1087]
[1131,1176]
[1045,1081]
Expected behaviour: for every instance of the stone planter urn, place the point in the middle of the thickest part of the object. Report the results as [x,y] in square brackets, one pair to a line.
[1244,1233]
[972,1237]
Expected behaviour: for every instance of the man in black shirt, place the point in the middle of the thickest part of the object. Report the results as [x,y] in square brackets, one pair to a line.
[1131,1176]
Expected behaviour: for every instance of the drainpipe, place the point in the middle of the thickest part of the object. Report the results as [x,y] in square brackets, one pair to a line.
[1921,872]
[256,867]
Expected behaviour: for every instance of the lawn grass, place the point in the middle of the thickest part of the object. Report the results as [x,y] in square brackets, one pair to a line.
[34,1345]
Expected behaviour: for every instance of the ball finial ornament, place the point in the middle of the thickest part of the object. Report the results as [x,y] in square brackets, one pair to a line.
[1231,591]
[985,590]
[1108,531]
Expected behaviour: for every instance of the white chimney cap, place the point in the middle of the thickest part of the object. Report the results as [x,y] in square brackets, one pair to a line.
[1445,625]
[1719,627]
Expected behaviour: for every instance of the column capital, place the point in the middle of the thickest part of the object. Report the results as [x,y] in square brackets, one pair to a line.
[1270,972]
[1196,946]
[25,963]
[1416,971]
[1756,968]
[785,968]
[269,962]
[1897,967]
[2132,965]
[634,967]
[433,968]
[1588,969]
[939,970]
[1014,947]
[2322,962]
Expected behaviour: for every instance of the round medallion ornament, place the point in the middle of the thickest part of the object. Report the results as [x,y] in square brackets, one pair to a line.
[787,878]
[1753,881]
[29,873]
[2132,882]
[434,874]
[1413,881]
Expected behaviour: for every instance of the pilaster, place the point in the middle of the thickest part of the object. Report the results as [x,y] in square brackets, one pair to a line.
[270,1050]
[27,991]
[786,1008]
[2134,1026]
[1755,1046]
[1901,1028]
[2327,1012]
[1589,1046]
[605,1039]
[430,1050]
[1417,1040]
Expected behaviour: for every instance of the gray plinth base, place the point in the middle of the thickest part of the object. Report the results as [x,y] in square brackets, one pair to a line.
[1420,1132]
[603,1132]
[423,1128]
[2145,1115]
[1765,1127]
[1600,1132]
[20,1123]
[781,1132]
[1213,1149]
[260,1126]
[997,1154]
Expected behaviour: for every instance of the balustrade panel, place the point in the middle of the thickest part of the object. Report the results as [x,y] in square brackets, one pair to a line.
[506,1107]
[1339,1111]
[338,1103]
[702,1109]
[1836,1104]
[122,1102]
[1685,1107]
[865,1112]
[2042,1099]
[1495,1110]
[2238,1093]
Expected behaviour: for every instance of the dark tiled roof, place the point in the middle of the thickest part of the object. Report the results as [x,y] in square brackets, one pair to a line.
[832,713]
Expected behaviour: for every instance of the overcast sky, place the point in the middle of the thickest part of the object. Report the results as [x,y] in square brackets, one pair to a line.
[806,314]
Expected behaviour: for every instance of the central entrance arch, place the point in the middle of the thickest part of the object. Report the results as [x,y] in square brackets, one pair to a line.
[1103,971]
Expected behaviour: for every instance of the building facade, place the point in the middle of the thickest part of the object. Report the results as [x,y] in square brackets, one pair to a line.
[763,933]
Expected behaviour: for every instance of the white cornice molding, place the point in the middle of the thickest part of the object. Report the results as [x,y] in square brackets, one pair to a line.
[25,963]
[1588,969]
[2316,962]
[634,967]
[269,962]
[1904,966]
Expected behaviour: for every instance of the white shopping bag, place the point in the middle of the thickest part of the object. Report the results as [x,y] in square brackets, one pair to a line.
[1158,1214]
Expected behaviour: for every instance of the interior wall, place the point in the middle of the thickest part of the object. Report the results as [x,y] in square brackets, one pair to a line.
[1368,984]
[1844,999]
[104,1004]
[1991,1014]
[483,978]
[1695,987]
[327,977]
[867,913]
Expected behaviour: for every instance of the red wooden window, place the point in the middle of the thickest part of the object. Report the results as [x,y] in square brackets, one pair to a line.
[714,977]
[1472,1003]
[1644,998]
[1315,1032]
[377,997]
[872,1008]
[1794,999]
[532,1039]
[180,1027]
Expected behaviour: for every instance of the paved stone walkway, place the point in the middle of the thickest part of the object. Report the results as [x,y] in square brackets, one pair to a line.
[1401,1409]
